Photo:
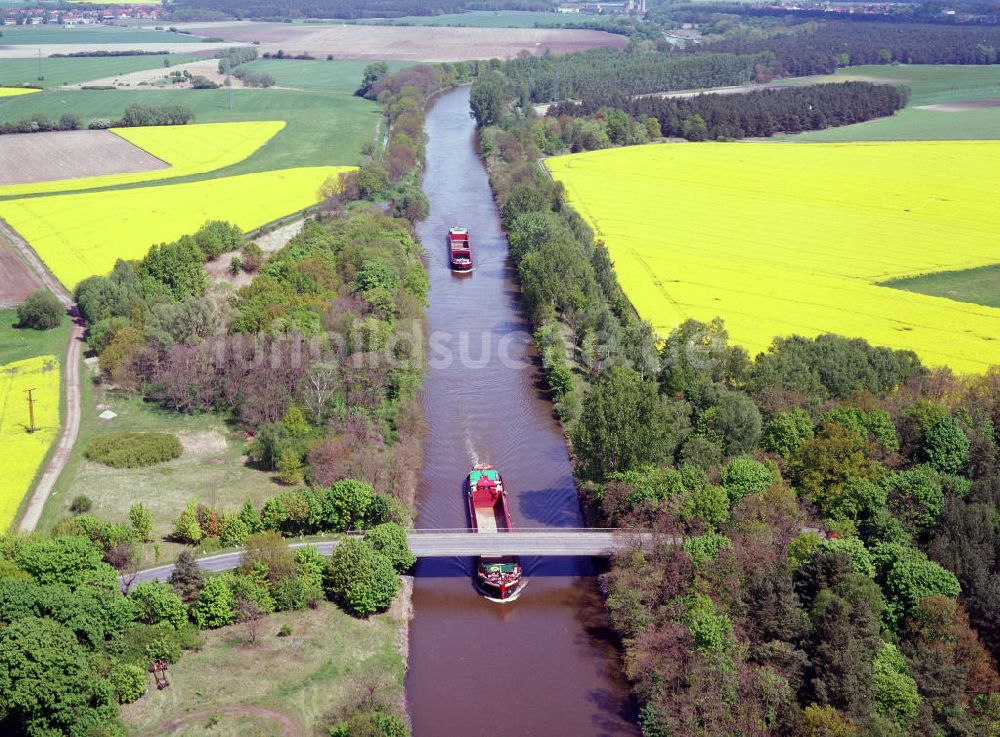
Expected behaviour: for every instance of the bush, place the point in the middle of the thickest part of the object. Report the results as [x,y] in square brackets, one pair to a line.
[133,449]
[215,605]
[371,724]
[42,310]
[129,682]
[252,256]
[81,504]
[390,540]
[361,579]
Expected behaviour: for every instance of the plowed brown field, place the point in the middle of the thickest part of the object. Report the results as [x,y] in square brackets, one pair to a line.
[44,157]
[408,43]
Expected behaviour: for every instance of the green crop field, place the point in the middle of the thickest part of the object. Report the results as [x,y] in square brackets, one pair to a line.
[58,71]
[35,35]
[491,19]
[929,85]
[318,76]
[980,286]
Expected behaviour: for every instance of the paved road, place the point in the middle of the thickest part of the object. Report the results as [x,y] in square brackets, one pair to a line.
[71,372]
[460,544]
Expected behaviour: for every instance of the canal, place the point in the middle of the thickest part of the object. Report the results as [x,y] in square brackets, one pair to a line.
[545,664]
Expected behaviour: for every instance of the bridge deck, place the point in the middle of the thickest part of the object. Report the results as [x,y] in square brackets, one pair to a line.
[551,541]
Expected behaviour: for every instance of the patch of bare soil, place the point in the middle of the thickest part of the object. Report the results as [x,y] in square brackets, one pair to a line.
[276,239]
[958,107]
[202,443]
[160,77]
[45,157]
[409,43]
[17,280]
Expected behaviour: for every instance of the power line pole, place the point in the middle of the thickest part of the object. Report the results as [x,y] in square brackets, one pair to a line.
[31,410]
[40,65]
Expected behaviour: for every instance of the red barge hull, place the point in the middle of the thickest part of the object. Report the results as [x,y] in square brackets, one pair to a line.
[498,578]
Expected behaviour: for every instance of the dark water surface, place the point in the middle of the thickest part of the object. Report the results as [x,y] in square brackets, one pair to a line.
[545,664]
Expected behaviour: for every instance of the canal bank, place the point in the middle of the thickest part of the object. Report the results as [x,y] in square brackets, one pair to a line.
[546,664]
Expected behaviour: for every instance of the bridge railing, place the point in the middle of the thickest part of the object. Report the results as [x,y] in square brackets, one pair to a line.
[532,530]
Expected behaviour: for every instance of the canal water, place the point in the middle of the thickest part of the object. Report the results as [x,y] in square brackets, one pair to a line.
[546,664]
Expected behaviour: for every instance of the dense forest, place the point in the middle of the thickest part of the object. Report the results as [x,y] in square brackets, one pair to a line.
[279,9]
[754,114]
[603,73]
[841,564]
[839,44]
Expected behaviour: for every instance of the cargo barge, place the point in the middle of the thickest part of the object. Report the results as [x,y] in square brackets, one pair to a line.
[498,578]
[459,249]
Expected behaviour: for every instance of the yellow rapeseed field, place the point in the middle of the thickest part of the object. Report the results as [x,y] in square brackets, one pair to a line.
[22,453]
[189,149]
[15,91]
[782,239]
[79,235]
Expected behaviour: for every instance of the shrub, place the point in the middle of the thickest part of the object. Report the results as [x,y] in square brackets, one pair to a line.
[42,310]
[81,504]
[285,631]
[390,540]
[156,602]
[371,724]
[141,520]
[361,579]
[133,449]
[128,681]
[187,528]
[252,256]
[214,607]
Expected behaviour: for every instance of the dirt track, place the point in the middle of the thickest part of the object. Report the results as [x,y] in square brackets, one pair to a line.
[958,107]
[71,425]
[287,726]
[44,157]
[408,43]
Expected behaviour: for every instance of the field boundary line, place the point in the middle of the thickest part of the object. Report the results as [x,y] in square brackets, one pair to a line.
[71,427]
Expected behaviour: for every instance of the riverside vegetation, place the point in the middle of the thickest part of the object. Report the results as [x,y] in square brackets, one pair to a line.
[346,428]
[884,624]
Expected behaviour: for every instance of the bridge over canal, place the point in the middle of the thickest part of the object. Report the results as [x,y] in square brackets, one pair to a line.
[545,541]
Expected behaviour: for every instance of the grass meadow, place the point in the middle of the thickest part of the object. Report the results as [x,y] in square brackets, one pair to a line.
[17,344]
[212,469]
[302,678]
[781,239]
[58,71]
[979,286]
[929,85]
[37,35]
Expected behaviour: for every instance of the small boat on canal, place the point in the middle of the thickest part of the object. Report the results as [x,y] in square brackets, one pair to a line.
[498,578]
[459,249]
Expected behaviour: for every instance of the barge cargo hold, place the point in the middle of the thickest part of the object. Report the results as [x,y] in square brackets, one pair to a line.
[498,578]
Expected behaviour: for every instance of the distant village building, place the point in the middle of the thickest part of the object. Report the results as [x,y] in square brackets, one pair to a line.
[604,8]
